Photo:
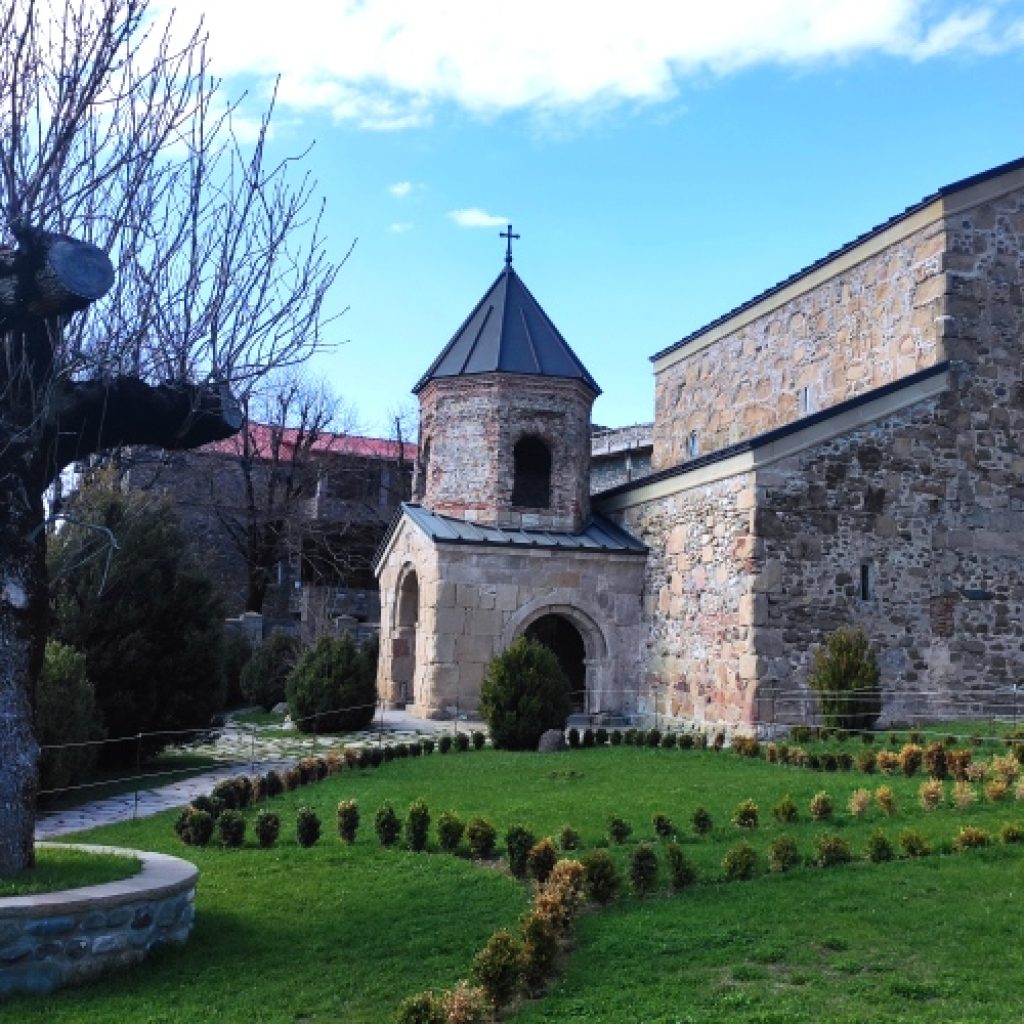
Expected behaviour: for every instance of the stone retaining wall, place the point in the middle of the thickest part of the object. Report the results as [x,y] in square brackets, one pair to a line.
[55,939]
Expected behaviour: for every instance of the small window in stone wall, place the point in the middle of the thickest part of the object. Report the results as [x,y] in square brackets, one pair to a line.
[531,483]
[692,445]
[865,582]
[806,400]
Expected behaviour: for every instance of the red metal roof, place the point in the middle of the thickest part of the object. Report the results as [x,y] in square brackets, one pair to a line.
[264,439]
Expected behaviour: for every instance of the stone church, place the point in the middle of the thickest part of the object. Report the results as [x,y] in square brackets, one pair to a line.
[842,449]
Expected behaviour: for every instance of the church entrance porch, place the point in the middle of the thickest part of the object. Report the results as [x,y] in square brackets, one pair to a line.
[563,639]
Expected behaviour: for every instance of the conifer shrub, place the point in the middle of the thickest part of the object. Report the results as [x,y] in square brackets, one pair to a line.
[813,762]
[785,811]
[572,737]
[601,877]
[681,870]
[879,849]
[746,746]
[481,836]
[1011,832]
[461,742]
[668,741]
[740,862]
[348,821]
[930,794]
[964,794]
[958,761]
[444,744]
[685,741]
[333,687]
[914,844]
[194,826]
[643,869]
[540,949]
[498,968]
[970,838]
[996,790]
[783,855]
[619,830]
[417,826]
[569,839]
[935,761]
[831,850]
[387,825]
[264,677]
[466,1004]
[860,801]
[845,675]
[479,739]
[524,693]
[718,743]
[541,859]
[560,896]
[866,760]
[745,815]
[911,757]
[273,783]
[401,750]
[885,800]
[653,738]
[822,806]
[421,1008]
[427,745]
[259,788]
[267,827]
[231,828]
[292,778]
[519,840]
[800,733]
[226,794]
[450,829]
[844,759]
[615,738]
[601,737]
[771,753]
[701,821]
[663,827]
[307,826]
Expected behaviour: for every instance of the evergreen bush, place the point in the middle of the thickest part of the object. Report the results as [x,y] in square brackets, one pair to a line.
[619,830]
[231,828]
[264,678]
[845,675]
[307,826]
[498,968]
[541,860]
[417,826]
[386,825]
[348,821]
[783,855]
[481,836]
[740,862]
[267,827]
[194,826]
[333,688]
[643,869]
[519,841]
[681,869]
[524,693]
[601,877]
[450,828]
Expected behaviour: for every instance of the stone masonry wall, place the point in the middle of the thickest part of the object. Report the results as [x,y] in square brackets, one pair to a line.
[696,644]
[471,425]
[871,324]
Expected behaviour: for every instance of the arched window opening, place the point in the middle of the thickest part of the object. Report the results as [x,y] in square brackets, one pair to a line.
[531,485]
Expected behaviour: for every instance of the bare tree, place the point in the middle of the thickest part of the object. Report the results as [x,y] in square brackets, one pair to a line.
[117,150]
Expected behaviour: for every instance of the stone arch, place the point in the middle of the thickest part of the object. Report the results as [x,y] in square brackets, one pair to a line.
[601,691]
[531,472]
[405,617]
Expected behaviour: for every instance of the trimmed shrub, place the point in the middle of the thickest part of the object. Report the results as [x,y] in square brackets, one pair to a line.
[417,826]
[540,949]
[194,826]
[264,677]
[996,790]
[307,826]
[333,688]
[930,794]
[866,761]
[466,1004]
[845,675]
[643,869]
[860,801]
[569,839]
[914,844]
[479,739]
[348,821]
[541,860]
[885,800]
[1011,832]
[745,815]
[888,762]
[387,825]
[450,828]
[267,828]
[879,849]
[785,810]
[601,736]
[421,1008]
[231,829]
[830,850]
[461,742]
[481,836]
[935,761]
[701,820]
[668,741]
[601,877]
[663,827]
[911,756]
[444,744]
[822,806]
[619,830]
[427,745]
[653,738]
[964,794]
[681,870]
[783,855]
[559,898]
[498,968]
[740,862]
[519,841]
[615,738]
[273,783]
[524,693]
[970,838]
[572,737]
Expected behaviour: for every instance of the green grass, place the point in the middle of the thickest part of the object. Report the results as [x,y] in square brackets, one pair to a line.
[57,869]
[338,933]
[257,716]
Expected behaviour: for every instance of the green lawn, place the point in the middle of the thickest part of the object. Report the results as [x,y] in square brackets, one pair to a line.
[68,869]
[336,933]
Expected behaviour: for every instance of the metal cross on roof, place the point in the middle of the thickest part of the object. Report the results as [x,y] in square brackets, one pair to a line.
[508,250]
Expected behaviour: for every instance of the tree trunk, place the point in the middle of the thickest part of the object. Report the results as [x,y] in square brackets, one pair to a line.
[22,638]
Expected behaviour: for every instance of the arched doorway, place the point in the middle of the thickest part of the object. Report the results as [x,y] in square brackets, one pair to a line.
[563,639]
[403,643]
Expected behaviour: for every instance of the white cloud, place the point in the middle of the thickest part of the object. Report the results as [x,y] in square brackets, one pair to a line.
[388,64]
[476,218]
[400,189]
[400,227]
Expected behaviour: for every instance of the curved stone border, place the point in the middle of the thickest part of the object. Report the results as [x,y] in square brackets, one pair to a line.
[58,938]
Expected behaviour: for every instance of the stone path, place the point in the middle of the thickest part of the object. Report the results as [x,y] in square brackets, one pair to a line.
[243,750]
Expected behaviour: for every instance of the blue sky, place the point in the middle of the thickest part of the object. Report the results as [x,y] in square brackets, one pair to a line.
[663,162]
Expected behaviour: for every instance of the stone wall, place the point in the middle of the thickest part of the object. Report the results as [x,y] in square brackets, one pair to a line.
[696,643]
[57,939]
[468,429]
[864,325]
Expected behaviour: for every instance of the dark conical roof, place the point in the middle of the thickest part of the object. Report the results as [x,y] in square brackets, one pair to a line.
[507,332]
